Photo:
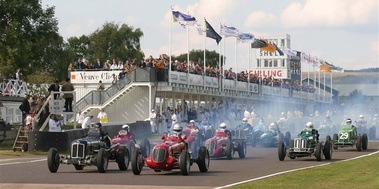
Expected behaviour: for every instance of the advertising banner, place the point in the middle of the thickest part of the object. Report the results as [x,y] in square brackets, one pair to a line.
[92,77]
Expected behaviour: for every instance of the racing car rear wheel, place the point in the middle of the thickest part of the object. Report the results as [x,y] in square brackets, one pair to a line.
[335,139]
[242,149]
[287,137]
[78,167]
[281,151]
[358,145]
[184,162]
[328,149]
[123,159]
[203,159]
[229,150]
[364,142]
[102,160]
[318,151]
[137,162]
[53,160]
[145,148]
[131,147]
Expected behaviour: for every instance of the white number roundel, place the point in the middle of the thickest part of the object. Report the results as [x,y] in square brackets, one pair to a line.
[344,135]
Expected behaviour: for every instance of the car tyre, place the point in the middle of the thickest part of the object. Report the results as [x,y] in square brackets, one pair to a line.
[358,145]
[364,142]
[123,159]
[229,150]
[253,140]
[281,151]
[318,151]
[203,159]
[184,162]
[102,160]
[328,149]
[335,139]
[288,138]
[145,148]
[242,149]
[137,162]
[131,147]
[53,160]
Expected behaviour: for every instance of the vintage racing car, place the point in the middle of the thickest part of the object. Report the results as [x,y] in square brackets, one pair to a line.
[171,154]
[93,149]
[270,137]
[348,136]
[221,145]
[125,138]
[306,144]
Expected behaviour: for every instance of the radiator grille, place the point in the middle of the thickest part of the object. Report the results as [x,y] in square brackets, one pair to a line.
[159,155]
[77,150]
[300,143]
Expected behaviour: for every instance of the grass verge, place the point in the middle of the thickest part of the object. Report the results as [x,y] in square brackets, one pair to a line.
[359,173]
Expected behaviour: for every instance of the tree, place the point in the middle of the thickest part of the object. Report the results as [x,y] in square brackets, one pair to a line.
[212,57]
[356,97]
[29,39]
[115,42]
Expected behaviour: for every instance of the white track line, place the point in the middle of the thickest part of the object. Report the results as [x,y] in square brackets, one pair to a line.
[22,162]
[289,171]
[2,160]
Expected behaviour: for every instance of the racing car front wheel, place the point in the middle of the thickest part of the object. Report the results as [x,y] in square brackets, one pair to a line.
[358,145]
[328,149]
[229,150]
[137,162]
[318,151]
[53,160]
[364,142]
[281,151]
[123,159]
[184,162]
[335,139]
[203,159]
[102,160]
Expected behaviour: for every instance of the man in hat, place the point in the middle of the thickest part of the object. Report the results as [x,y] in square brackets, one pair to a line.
[68,87]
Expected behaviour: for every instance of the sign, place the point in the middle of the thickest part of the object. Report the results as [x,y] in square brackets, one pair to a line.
[275,73]
[94,77]
[56,106]
[178,77]
[211,82]
[253,88]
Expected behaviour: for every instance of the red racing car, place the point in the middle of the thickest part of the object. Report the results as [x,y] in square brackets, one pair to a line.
[125,138]
[171,154]
[221,145]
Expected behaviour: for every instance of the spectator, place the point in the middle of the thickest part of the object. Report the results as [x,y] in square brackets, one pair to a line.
[114,79]
[87,122]
[102,116]
[70,67]
[68,87]
[17,75]
[153,121]
[54,126]
[101,86]
[25,108]
[79,117]
[173,118]
[98,64]
[54,88]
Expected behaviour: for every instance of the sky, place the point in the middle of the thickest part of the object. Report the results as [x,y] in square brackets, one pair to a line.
[341,32]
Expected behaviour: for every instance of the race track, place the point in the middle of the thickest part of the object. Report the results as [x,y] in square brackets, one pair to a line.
[32,171]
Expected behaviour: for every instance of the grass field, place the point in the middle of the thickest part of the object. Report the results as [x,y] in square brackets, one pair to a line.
[362,173]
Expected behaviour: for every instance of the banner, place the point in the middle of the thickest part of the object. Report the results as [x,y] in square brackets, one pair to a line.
[92,77]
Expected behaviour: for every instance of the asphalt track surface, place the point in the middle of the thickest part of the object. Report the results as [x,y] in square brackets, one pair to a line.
[32,172]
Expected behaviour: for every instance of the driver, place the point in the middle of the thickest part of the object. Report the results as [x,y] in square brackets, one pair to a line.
[260,126]
[126,130]
[177,130]
[103,135]
[361,122]
[226,131]
[309,127]
[350,125]
[245,126]
[273,127]
[192,125]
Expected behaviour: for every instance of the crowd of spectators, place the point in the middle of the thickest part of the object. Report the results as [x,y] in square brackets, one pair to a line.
[162,63]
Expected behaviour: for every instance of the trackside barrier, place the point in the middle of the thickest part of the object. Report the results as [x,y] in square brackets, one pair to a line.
[44,140]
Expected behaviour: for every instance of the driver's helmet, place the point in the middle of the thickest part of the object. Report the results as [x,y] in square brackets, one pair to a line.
[261,120]
[348,121]
[282,114]
[244,121]
[223,126]
[309,126]
[97,127]
[192,122]
[376,115]
[126,127]
[272,126]
[361,116]
[177,129]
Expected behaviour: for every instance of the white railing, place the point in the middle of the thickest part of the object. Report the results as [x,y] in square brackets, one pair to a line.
[13,87]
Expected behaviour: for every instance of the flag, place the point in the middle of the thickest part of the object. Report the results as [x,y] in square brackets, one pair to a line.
[269,48]
[334,68]
[258,43]
[245,37]
[289,51]
[228,31]
[277,49]
[326,68]
[211,33]
[183,19]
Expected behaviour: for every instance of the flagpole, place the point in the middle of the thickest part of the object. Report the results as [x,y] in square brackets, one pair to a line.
[235,62]
[324,85]
[319,83]
[205,69]
[223,61]
[187,56]
[169,47]
[248,68]
[219,61]
[331,85]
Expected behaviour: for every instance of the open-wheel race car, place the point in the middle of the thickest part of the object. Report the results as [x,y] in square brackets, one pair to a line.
[206,129]
[93,149]
[172,153]
[270,137]
[222,144]
[125,138]
[306,145]
[194,138]
[348,137]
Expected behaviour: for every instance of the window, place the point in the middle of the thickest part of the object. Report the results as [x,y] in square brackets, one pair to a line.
[270,63]
[258,63]
[282,42]
[284,64]
[275,63]
[266,63]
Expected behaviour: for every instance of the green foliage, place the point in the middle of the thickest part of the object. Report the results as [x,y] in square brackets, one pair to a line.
[212,57]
